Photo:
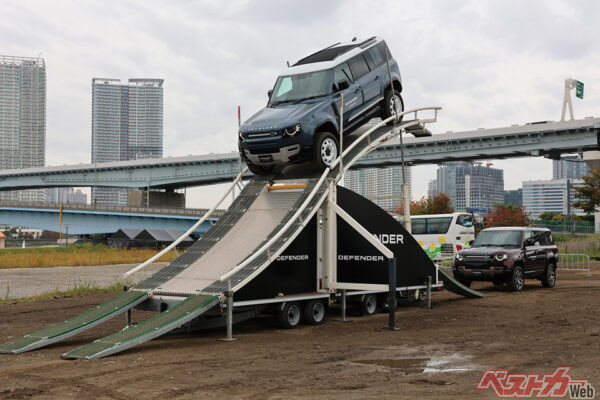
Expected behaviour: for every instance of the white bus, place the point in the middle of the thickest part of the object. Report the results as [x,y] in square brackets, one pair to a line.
[442,235]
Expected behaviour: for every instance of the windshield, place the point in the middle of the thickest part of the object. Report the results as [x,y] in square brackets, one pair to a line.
[300,87]
[498,238]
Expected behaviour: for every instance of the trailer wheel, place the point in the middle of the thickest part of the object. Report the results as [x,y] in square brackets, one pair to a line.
[290,316]
[314,312]
[369,305]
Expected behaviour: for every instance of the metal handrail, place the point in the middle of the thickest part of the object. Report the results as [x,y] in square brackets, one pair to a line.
[382,123]
[281,231]
[189,231]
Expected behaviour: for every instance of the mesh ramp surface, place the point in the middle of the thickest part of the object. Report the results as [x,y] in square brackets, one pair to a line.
[75,325]
[264,218]
[455,286]
[149,329]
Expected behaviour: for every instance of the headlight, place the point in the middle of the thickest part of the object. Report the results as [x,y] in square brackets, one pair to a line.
[241,135]
[500,257]
[459,257]
[292,130]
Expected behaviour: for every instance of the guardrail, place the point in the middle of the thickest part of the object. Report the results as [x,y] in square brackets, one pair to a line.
[574,262]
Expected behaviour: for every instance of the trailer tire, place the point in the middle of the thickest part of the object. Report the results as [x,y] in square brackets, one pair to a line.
[290,316]
[368,305]
[314,312]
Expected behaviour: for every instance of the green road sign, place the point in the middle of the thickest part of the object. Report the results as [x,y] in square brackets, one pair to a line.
[579,89]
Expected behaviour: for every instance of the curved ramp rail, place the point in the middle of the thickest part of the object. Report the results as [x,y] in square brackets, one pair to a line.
[455,286]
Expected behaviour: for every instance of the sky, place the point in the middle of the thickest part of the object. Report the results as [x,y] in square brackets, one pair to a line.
[486,63]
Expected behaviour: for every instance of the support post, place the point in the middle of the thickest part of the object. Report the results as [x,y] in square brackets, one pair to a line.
[429,292]
[392,295]
[128,312]
[229,316]
[343,305]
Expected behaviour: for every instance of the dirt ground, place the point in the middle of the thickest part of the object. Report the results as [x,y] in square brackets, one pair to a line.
[438,354]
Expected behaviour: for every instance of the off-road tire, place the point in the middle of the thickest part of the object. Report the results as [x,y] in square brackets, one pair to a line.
[387,104]
[326,149]
[517,279]
[549,277]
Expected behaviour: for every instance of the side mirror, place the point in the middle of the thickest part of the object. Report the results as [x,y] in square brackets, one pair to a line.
[270,92]
[528,242]
[343,84]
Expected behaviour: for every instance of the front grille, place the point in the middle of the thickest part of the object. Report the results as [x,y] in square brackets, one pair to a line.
[261,134]
[478,262]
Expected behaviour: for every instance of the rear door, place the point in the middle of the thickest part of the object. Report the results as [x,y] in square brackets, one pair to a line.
[530,254]
[353,98]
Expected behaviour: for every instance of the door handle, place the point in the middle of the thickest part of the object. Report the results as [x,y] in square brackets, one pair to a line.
[357,90]
[377,77]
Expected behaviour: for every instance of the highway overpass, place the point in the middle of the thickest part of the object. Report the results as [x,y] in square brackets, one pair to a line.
[547,139]
[86,219]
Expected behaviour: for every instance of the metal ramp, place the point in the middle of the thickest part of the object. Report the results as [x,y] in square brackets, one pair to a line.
[455,286]
[75,325]
[149,329]
[258,226]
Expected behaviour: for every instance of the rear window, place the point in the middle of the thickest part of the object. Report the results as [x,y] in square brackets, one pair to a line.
[382,47]
[358,66]
[376,55]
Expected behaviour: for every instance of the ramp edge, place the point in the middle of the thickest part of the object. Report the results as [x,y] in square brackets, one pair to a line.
[114,345]
[39,341]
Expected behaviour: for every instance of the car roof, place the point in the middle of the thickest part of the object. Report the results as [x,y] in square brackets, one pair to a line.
[515,228]
[331,56]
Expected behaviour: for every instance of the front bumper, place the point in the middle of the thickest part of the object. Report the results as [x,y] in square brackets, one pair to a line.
[284,155]
[483,274]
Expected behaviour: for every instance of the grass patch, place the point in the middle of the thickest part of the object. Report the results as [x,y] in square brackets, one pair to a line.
[79,289]
[76,255]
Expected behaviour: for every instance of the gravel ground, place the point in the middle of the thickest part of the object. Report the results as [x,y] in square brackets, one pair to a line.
[438,354]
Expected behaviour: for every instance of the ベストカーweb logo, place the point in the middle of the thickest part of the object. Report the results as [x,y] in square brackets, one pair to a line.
[556,385]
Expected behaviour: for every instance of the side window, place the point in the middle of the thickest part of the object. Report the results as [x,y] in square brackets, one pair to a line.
[527,235]
[358,66]
[545,238]
[376,55]
[341,72]
[370,62]
[382,46]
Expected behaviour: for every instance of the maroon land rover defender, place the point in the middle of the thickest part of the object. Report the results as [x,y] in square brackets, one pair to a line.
[508,255]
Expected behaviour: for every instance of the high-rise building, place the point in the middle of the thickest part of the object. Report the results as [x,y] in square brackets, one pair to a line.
[569,167]
[556,196]
[383,186]
[127,124]
[514,197]
[432,188]
[65,195]
[22,119]
[471,186]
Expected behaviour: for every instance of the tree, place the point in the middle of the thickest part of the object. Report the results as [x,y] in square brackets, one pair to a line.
[418,207]
[442,204]
[588,195]
[507,215]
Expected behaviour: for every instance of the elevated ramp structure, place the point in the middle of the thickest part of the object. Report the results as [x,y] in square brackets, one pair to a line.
[264,220]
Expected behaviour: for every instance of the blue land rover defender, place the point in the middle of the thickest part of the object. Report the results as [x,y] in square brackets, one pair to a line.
[301,119]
